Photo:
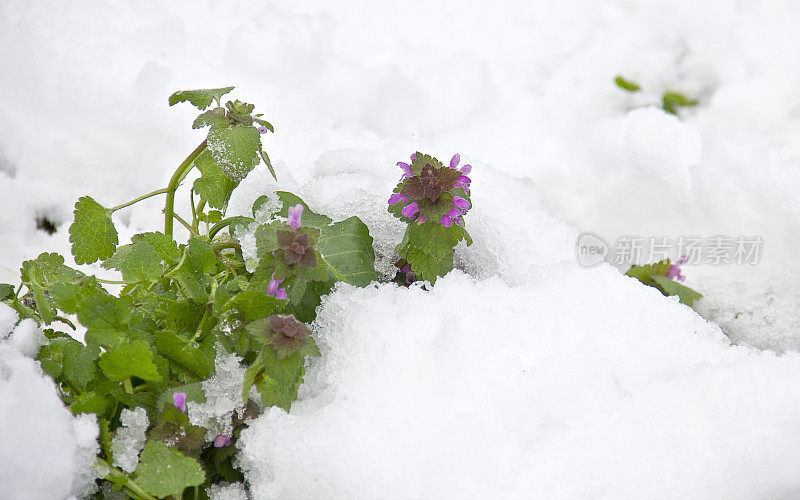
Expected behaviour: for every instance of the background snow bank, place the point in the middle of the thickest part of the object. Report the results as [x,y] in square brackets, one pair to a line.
[46,451]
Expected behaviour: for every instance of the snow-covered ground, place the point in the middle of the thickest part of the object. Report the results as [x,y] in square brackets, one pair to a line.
[525,375]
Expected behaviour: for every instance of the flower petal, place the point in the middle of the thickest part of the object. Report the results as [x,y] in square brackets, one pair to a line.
[179,400]
[461,203]
[295,215]
[446,221]
[397,198]
[454,160]
[410,209]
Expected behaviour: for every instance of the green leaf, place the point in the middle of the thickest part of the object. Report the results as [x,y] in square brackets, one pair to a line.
[130,359]
[213,186]
[163,471]
[214,116]
[671,100]
[310,218]
[92,402]
[685,294]
[48,268]
[138,262]
[183,352]
[268,163]
[283,378]
[105,317]
[6,291]
[79,361]
[626,85]
[164,245]
[426,266]
[201,98]
[92,234]
[250,376]
[43,305]
[235,149]
[346,248]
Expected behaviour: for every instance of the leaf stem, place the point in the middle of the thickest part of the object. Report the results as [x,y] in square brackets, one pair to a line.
[110,282]
[143,197]
[135,490]
[185,224]
[127,385]
[174,182]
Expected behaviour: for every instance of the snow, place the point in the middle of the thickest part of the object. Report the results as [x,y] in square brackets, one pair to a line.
[27,338]
[223,392]
[46,451]
[625,393]
[129,439]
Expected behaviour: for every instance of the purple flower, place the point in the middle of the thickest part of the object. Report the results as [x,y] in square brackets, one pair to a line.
[461,203]
[455,212]
[179,400]
[410,276]
[446,221]
[222,440]
[295,213]
[674,271]
[422,219]
[466,169]
[410,209]
[463,181]
[397,198]
[454,160]
[459,221]
[406,169]
[274,291]
[263,130]
[413,156]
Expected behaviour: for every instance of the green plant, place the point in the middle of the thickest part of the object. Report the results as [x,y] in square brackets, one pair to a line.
[152,348]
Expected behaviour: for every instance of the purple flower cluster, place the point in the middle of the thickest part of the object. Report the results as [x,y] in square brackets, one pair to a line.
[674,271]
[421,194]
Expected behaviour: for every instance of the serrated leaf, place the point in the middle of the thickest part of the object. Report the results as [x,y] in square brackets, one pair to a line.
[202,98]
[163,471]
[183,352]
[283,378]
[92,234]
[6,291]
[48,268]
[141,262]
[214,185]
[164,245]
[235,149]
[79,361]
[129,359]
[626,85]
[214,116]
[346,248]
[426,266]
[105,317]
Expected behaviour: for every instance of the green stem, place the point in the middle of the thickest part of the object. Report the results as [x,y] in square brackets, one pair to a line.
[221,245]
[185,224]
[110,282]
[219,226]
[177,177]
[129,484]
[200,206]
[128,386]
[143,197]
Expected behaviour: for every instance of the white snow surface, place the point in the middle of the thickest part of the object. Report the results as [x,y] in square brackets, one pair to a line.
[46,452]
[522,375]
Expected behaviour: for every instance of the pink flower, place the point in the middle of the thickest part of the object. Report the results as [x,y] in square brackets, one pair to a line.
[179,400]
[222,440]
[410,209]
[263,130]
[454,160]
[406,169]
[295,214]
[674,271]
[397,198]
[274,291]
